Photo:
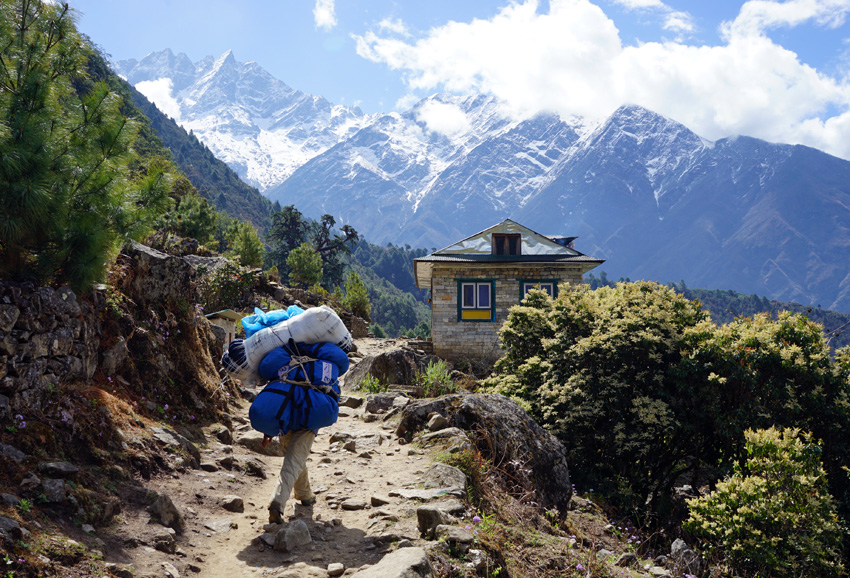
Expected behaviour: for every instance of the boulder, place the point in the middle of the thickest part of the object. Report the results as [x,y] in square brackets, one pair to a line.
[454,535]
[62,470]
[292,536]
[54,491]
[233,503]
[444,476]
[158,276]
[382,402]
[403,563]
[430,516]
[165,512]
[175,442]
[10,530]
[397,366]
[534,457]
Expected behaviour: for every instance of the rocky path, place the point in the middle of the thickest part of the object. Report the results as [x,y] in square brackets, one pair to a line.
[358,470]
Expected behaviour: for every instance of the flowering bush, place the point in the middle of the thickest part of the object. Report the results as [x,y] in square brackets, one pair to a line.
[774,516]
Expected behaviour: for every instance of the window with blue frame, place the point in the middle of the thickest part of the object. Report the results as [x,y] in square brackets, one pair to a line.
[550,286]
[476,299]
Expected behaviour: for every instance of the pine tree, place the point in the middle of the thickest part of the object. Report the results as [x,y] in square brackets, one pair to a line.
[68,200]
[305,266]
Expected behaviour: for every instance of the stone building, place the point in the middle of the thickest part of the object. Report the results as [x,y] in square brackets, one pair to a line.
[474,282]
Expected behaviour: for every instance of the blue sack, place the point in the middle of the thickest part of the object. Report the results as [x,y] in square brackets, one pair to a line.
[283,407]
[260,320]
[289,403]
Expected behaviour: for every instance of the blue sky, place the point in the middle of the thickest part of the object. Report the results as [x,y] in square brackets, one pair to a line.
[773,69]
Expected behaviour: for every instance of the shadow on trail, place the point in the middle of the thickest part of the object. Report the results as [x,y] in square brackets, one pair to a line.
[330,544]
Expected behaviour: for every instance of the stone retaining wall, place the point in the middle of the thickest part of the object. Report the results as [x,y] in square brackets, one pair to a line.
[46,337]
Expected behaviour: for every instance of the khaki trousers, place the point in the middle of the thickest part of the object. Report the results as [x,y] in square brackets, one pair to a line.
[293,473]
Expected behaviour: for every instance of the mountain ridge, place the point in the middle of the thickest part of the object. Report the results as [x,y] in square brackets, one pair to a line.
[639,189]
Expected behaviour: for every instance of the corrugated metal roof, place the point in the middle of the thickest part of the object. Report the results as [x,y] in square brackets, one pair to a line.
[459,258]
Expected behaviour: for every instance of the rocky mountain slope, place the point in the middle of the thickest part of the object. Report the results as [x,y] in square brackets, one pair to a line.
[641,191]
[254,122]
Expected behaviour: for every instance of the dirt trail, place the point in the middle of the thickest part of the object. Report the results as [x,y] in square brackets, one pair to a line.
[217,543]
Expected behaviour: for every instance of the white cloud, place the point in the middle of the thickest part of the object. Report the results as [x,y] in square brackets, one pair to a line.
[407,101]
[679,22]
[757,16]
[571,60]
[394,25]
[443,118]
[159,92]
[674,20]
[324,13]
[641,4]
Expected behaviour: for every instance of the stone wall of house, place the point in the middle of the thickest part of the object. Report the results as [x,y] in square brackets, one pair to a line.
[478,340]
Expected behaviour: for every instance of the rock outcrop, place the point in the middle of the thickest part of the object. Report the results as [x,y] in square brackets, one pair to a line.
[396,366]
[504,432]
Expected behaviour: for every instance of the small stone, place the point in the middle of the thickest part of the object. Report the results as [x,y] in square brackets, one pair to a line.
[165,512]
[353,504]
[209,467]
[54,490]
[350,401]
[63,470]
[233,503]
[170,570]
[292,536]
[10,500]
[437,422]
[227,462]
[119,570]
[336,569]
[87,528]
[350,446]
[222,526]
[378,500]
[254,467]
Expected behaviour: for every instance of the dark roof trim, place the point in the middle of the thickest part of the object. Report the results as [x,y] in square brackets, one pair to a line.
[461,258]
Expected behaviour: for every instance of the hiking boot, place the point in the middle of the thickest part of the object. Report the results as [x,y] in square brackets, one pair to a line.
[274,514]
[308,501]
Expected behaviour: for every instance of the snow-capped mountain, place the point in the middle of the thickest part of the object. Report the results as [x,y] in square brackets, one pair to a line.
[640,190]
[259,126]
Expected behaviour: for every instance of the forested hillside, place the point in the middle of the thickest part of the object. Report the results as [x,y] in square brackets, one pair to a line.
[398,306]
[212,177]
[726,305]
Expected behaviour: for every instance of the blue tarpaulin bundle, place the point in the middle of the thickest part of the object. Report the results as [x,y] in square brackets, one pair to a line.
[305,393]
[260,319]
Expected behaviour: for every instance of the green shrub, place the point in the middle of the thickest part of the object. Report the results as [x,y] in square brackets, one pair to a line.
[372,384]
[377,331]
[357,297]
[644,389]
[436,380]
[774,516]
[226,288]
[305,266]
